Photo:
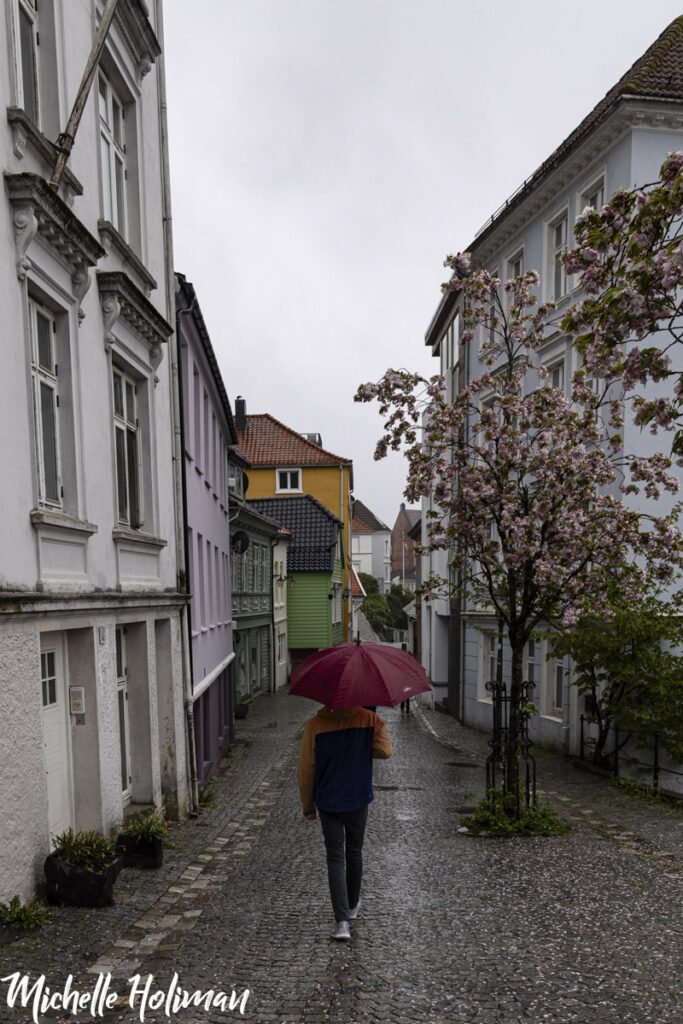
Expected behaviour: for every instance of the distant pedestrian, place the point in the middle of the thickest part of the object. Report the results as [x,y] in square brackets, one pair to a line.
[335,777]
[405,706]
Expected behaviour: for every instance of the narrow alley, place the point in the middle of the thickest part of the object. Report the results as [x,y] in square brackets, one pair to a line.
[580,928]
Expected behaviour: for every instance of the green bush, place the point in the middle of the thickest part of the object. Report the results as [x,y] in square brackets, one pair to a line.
[497,815]
[28,916]
[87,849]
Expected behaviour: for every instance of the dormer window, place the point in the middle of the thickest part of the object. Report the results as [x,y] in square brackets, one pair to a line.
[288,481]
[235,481]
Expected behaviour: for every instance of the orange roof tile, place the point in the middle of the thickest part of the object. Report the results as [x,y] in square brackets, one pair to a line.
[267,442]
[356,585]
[358,526]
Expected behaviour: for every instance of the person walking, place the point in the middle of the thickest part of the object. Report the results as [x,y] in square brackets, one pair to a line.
[335,782]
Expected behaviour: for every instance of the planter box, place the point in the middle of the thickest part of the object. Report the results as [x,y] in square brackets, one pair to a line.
[140,853]
[78,886]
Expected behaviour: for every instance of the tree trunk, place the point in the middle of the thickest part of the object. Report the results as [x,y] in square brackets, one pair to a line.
[514,720]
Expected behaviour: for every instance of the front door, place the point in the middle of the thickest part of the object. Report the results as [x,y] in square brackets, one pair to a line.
[56,733]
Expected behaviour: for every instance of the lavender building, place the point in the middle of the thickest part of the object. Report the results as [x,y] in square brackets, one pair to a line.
[208,430]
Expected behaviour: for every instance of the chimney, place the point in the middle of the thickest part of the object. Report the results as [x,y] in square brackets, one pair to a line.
[240,413]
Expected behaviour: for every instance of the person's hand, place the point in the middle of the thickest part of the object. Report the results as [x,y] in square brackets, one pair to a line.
[311,816]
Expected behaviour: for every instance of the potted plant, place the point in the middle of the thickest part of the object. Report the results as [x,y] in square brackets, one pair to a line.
[141,840]
[82,869]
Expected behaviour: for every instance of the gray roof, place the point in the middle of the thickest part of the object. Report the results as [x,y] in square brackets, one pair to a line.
[368,518]
[413,515]
[313,527]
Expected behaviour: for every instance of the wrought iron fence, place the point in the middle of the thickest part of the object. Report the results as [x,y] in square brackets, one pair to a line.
[497,761]
[615,758]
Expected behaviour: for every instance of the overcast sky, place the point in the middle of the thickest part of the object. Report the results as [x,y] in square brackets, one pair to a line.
[327,154]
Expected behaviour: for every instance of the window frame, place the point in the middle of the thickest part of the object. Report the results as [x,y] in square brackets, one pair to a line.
[123,718]
[516,256]
[594,185]
[554,267]
[551,367]
[114,196]
[289,489]
[45,378]
[337,616]
[28,10]
[129,429]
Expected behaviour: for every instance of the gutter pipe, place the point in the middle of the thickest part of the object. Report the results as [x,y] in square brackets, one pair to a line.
[176,416]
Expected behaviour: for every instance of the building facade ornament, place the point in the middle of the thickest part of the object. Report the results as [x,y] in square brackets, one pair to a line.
[111,311]
[132,22]
[112,240]
[39,210]
[25,227]
[25,134]
[121,299]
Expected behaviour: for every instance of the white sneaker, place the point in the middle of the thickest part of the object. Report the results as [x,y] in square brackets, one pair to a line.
[341,930]
[353,914]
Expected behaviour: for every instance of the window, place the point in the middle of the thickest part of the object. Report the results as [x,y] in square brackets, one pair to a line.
[531,661]
[557,686]
[515,265]
[122,705]
[235,481]
[288,480]
[48,678]
[28,72]
[200,580]
[557,243]
[281,649]
[42,330]
[488,670]
[197,409]
[555,376]
[127,446]
[593,194]
[113,153]
[336,604]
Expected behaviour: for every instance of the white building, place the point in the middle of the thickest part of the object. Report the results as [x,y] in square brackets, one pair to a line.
[91,553]
[621,143]
[371,546]
[281,653]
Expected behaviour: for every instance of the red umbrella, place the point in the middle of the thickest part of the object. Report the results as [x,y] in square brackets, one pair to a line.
[359,673]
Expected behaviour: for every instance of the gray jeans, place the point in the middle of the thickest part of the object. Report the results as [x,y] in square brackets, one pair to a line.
[344,833]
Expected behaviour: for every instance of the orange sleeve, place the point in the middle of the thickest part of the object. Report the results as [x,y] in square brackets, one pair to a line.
[382,746]
[306,772]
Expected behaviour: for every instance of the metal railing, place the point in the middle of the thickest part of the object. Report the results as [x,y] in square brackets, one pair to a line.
[616,758]
[497,761]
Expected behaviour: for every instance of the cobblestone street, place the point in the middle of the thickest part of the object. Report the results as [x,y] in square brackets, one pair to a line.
[583,928]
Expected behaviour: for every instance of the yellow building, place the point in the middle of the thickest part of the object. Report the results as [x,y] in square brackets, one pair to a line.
[285,463]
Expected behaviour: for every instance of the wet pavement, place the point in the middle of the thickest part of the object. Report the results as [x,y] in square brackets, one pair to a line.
[581,928]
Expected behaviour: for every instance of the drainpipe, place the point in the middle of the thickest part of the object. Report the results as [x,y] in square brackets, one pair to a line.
[274,541]
[67,138]
[178,454]
[347,551]
[184,577]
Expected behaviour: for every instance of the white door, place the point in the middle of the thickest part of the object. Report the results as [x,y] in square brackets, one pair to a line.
[55,733]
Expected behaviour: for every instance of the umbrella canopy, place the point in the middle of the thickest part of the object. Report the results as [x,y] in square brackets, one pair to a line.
[359,673]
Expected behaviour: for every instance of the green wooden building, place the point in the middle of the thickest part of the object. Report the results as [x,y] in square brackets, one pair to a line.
[315,572]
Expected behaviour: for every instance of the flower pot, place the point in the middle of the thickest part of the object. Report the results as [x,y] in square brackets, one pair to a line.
[140,853]
[77,885]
